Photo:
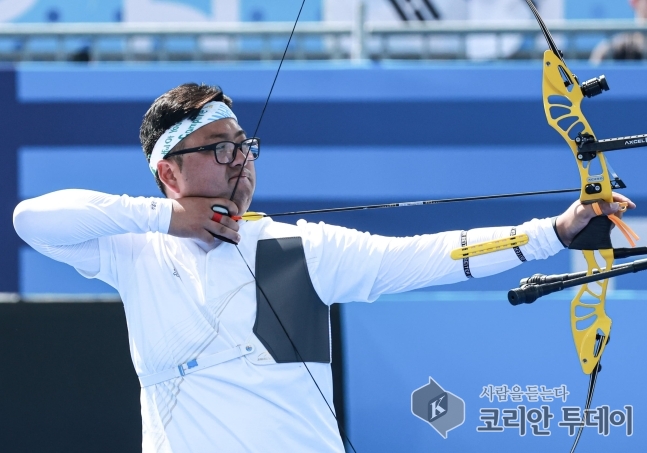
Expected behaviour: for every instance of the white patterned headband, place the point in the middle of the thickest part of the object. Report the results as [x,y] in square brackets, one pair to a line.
[210,112]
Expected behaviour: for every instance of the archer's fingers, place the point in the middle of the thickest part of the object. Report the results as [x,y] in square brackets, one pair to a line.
[616,208]
[225,221]
[622,199]
[228,228]
[207,238]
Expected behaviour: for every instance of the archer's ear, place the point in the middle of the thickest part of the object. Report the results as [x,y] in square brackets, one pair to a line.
[168,172]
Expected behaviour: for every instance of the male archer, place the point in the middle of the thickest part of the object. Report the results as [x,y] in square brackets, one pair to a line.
[221,331]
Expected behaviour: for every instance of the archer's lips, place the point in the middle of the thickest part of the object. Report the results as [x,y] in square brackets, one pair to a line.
[244,175]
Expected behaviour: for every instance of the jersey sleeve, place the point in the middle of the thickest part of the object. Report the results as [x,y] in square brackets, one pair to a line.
[347,265]
[84,228]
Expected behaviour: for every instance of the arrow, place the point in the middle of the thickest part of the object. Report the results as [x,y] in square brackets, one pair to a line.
[253,216]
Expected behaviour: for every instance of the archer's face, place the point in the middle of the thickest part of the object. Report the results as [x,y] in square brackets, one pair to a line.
[202,176]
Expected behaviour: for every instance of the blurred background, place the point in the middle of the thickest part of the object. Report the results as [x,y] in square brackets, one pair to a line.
[378,101]
[235,30]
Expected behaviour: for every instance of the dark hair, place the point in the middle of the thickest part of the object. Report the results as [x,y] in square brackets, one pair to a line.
[172,107]
[628,46]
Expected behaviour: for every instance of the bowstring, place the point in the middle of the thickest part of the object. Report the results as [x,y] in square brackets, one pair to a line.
[269,95]
[231,198]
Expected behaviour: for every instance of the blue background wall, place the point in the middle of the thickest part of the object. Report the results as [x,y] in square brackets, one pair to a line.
[597,9]
[336,135]
[332,135]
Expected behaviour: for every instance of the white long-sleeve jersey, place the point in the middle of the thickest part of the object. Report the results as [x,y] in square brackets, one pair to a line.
[183,302]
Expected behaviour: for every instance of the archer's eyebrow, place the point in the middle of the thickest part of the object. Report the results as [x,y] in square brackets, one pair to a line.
[225,136]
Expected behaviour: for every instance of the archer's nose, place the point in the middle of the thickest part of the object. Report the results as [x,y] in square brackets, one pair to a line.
[239,159]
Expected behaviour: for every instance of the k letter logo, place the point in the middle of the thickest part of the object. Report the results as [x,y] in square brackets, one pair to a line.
[443,410]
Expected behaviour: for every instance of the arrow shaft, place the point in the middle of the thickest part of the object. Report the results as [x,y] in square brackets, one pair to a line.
[422,203]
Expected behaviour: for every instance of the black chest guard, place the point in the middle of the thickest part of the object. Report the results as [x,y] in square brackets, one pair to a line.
[282,275]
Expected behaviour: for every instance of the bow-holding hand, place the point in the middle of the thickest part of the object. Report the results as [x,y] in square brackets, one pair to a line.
[578,215]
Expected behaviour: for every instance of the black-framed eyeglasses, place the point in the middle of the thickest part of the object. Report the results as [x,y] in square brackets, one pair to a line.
[225,152]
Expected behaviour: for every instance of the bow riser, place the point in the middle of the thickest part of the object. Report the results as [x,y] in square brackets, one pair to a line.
[562,106]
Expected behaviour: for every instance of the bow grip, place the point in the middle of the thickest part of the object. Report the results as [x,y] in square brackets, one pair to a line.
[595,236]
